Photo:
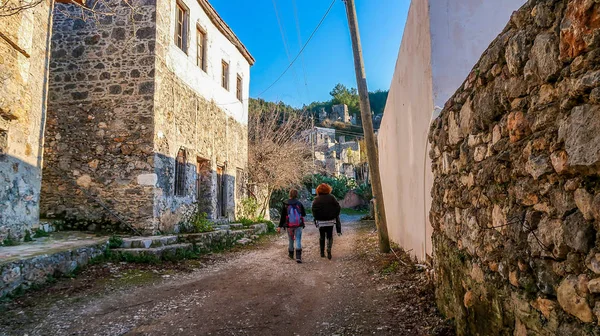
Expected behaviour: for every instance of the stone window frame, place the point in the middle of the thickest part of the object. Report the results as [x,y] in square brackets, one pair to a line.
[182,26]
[180,173]
[3,142]
[201,44]
[225,75]
[238,88]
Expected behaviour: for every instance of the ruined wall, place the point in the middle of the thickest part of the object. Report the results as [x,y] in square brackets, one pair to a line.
[516,194]
[99,137]
[23,89]
[194,113]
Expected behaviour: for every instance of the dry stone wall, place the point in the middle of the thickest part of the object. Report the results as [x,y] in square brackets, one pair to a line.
[516,198]
[23,76]
[100,116]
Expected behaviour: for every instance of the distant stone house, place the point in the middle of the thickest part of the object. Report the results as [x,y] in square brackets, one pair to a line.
[24,40]
[148,115]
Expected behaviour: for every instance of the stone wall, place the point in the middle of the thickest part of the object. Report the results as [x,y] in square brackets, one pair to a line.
[516,194]
[194,113]
[23,89]
[100,116]
[26,273]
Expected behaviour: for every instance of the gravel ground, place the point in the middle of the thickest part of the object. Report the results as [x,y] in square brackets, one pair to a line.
[254,290]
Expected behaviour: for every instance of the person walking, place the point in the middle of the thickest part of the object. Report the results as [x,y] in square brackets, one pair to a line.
[292,219]
[326,210]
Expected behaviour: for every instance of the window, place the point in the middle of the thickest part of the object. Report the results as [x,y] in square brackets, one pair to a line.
[201,48]
[181,27]
[238,88]
[180,163]
[3,142]
[225,75]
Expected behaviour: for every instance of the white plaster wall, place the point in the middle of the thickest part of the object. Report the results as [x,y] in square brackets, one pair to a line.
[402,135]
[208,84]
[442,41]
[461,30]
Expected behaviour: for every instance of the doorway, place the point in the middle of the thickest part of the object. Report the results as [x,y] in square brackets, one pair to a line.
[221,192]
[203,185]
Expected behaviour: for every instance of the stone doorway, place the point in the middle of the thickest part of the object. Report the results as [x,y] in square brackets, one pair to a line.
[203,185]
[221,193]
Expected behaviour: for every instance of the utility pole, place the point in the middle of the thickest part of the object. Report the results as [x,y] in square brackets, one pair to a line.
[367,123]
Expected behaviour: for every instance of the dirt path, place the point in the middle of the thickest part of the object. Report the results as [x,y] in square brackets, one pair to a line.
[254,292]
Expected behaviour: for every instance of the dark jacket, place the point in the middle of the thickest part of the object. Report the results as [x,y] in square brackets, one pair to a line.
[283,219]
[325,208]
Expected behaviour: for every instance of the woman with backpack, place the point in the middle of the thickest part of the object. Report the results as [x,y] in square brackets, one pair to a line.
[326,210]
[292,219]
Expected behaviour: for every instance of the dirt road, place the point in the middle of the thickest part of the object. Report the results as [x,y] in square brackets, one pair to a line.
[257,291]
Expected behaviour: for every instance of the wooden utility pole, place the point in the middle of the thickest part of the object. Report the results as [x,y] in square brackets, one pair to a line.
[367,124]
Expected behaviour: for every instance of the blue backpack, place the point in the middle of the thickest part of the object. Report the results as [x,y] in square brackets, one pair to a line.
[294,217]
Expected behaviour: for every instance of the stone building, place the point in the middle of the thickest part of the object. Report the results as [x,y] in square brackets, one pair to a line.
[333,156]
[340,113]
[147,121]
[24,46]
[516,200]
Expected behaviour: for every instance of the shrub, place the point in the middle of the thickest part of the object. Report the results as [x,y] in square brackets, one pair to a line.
[249,207]
[39,233]
[27,237]
[115,242]
[364,191]
[10,241]
[197,224]
[340,184]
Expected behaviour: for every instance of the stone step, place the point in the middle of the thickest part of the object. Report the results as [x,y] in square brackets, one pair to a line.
[224,227]
[148,242]
[236,226]
[244,241]
[158,252]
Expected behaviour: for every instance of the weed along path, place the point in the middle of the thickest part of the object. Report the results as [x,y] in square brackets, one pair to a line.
[255,290]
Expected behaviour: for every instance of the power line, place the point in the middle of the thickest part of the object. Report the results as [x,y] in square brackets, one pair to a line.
[298,31]
[285,44]
[301,50]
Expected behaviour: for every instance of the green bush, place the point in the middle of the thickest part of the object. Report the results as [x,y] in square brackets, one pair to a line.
[249,207]
[197,224]
[277,197]
[115,242]
[270,227]
[27,237]
[340,184]
[248,221]
[39,233]
[10,241]
[364,191]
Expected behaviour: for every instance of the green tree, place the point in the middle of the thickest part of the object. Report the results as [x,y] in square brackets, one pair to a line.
[342,95]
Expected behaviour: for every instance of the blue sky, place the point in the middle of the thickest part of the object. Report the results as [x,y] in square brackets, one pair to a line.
[328,58]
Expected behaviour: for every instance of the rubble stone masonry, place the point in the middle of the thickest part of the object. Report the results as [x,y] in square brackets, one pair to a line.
[100,129]
[23,89]
[121,111]
[516,198]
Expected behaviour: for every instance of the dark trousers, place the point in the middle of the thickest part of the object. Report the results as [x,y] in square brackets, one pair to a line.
[326,231]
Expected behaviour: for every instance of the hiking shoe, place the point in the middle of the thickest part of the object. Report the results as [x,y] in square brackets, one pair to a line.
[322,254]
[291,254]
[329,254]
[299,256]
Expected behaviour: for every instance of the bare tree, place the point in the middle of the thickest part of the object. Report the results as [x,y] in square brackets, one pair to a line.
[279,153]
